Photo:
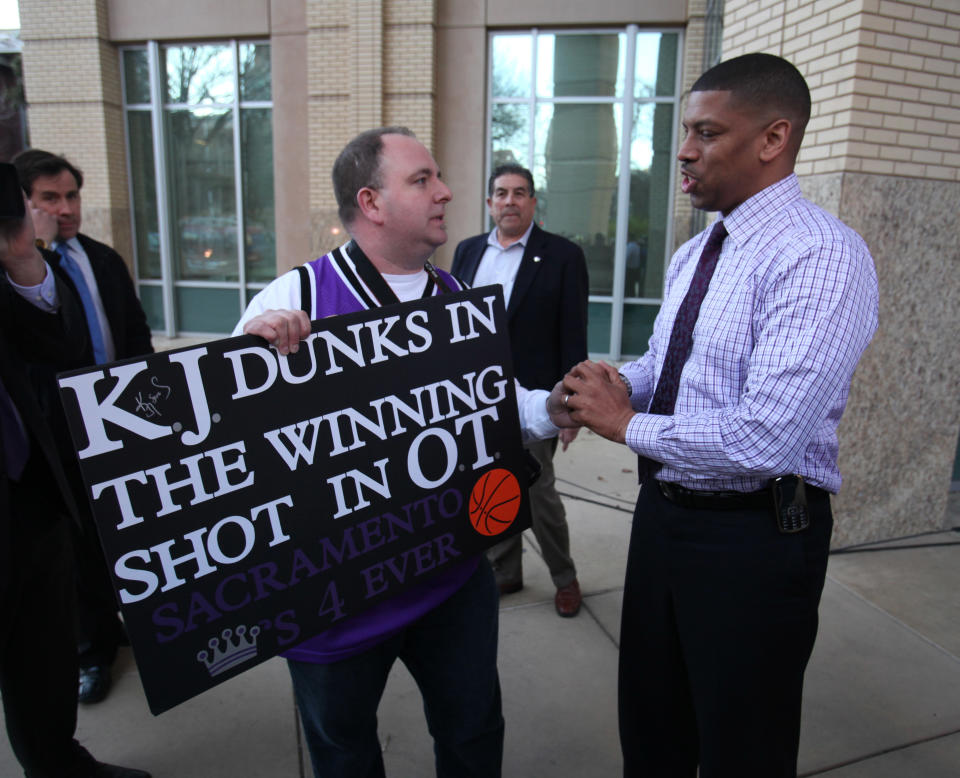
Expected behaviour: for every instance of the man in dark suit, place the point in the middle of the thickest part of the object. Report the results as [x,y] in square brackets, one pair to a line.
[118,329]
[41,322]
[544,279]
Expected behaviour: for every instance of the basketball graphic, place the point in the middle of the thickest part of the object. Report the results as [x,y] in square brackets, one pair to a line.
[494,501]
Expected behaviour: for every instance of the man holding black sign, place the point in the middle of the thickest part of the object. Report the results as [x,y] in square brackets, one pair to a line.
[392,201]
[41,322]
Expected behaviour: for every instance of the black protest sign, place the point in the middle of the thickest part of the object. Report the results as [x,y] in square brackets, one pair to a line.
[248,501]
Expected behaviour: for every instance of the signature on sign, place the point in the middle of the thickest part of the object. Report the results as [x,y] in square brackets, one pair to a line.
[149,406]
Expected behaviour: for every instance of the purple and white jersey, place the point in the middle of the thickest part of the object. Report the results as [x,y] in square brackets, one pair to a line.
[345,281]
[341,282]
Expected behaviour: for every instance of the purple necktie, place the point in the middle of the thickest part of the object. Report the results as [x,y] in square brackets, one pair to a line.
[681,338]
[16,447]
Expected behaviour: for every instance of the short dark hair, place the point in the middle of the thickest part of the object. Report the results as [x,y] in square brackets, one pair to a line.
[33,163]
[762,81]
[510,169]
[358,166]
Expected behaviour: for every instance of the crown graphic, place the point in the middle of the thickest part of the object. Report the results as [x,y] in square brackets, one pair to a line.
[231,651]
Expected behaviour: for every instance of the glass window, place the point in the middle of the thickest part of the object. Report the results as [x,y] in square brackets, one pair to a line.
[255,71]
[655,74]
[143,184]
[151,298]
[592,114]
[136,71]
[256,160]
[576,173]
[203,202]
[198,74]
[512,65]
[573,65]
[205,310]
[212,188]
[510,137]
[651,163]
[637,327]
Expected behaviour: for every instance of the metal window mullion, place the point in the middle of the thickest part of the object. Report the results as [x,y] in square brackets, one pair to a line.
[623,198]
[532,101]
[206,284]
[488,150]
[238,181]
[582,100]
[160,173]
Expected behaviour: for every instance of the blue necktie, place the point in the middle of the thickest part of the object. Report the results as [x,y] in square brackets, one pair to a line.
[69,264]
[681,337]
[16,447]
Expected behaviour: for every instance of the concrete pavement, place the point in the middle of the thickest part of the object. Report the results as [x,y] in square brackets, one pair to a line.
[882,691]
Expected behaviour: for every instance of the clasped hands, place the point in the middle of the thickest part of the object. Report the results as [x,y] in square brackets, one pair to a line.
[592,395]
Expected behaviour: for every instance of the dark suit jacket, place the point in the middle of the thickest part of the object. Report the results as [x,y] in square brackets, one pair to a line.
[547,311]
[128,322]
[128,326]
[30,336]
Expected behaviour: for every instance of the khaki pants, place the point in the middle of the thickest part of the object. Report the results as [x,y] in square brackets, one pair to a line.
[549,527]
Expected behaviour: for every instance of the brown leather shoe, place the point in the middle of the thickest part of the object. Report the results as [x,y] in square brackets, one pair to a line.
[568,599]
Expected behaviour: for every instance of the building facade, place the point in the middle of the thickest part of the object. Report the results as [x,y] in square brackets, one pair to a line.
[207,139]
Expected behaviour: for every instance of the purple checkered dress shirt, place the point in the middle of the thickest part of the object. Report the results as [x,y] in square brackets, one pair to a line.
[791,307]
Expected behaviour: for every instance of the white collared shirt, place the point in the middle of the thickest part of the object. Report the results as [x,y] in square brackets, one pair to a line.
[499,265]
[43,295]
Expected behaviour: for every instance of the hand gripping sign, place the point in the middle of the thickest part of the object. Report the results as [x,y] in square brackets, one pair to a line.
[246,501]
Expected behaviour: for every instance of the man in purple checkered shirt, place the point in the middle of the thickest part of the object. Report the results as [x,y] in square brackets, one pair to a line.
[731,532]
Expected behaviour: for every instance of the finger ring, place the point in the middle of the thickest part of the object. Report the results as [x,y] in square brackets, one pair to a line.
[565,398]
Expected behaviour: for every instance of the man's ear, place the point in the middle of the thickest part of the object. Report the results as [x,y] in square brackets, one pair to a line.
[776,139]
[368,201]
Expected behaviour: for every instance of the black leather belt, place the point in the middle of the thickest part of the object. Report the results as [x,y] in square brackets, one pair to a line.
[718,501]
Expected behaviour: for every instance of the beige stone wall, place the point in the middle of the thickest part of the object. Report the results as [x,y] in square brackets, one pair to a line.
[883,153]
[142,20]
[684,223]
[73,92]
[369,63]
[292,176]
[884,77]
[899,434]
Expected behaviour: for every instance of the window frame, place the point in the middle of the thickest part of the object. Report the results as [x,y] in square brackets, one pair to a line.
[627,100]
[157,107]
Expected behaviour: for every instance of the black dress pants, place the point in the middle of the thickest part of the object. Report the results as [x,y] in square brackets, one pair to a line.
[38,654]
[99,629]
[719,620]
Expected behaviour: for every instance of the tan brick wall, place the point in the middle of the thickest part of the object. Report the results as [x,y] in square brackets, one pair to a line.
[371,63]
[694,40]
[366,69]
[72,79]
[884,77]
